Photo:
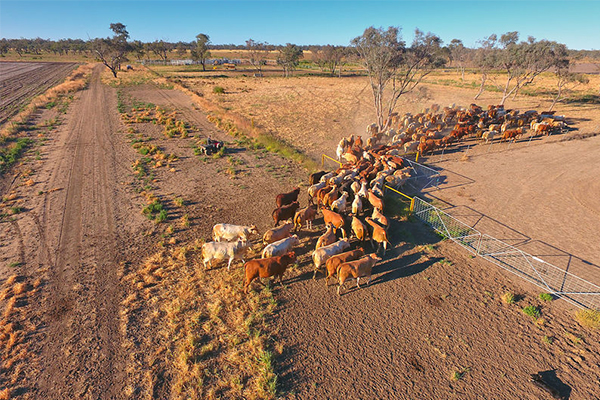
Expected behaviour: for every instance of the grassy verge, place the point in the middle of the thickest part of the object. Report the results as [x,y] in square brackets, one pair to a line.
[11,152]
[243,128]
[214,340]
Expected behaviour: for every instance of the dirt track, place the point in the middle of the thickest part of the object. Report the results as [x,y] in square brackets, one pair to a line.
[19,82]
[76,234]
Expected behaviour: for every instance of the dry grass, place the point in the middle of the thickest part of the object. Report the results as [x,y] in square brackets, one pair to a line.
[15,329]
[309,112]
[588,318]
[243,126]
[215,338]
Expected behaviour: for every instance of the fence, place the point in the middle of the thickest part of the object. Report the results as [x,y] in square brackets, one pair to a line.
[533,269]
[552,279]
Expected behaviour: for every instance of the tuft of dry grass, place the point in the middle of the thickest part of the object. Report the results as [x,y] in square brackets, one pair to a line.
[588,318]
[508,298]
[5,394]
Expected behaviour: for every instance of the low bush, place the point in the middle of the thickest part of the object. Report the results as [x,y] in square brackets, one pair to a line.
[546,297]
[532,311]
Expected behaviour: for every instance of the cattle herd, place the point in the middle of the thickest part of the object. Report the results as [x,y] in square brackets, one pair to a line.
[441,127]
[351,198]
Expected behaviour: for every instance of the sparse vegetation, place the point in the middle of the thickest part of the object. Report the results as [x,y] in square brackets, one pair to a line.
[219,336]
[218,90]
[588,318]
[532,311]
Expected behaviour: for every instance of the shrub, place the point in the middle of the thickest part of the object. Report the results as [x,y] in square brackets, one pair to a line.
[219,90]
[459,374]
[162,216]
[546,297]
[508,298]
[532,311]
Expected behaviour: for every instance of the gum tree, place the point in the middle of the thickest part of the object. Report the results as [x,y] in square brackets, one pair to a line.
[459,54]
[394,68]
[486,59]
[258,52]
[289,57]
[524,61]
[201,51]
[111,51]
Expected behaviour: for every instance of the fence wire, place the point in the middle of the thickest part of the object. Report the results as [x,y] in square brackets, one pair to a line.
[423,176]
[552,279]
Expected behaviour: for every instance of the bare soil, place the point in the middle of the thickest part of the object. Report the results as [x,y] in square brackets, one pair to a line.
[20,82]
[542,199]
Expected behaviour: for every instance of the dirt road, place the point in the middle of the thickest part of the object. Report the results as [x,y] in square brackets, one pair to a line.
[79,235]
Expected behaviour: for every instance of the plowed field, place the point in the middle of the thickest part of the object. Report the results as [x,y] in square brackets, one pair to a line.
[21,81]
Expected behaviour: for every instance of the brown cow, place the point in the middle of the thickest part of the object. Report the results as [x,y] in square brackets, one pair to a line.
[335,219]
[284,199]
[375,201]
[511,134]
[334,262]
[306,216]
[285,212]
[361,268]
[267,267]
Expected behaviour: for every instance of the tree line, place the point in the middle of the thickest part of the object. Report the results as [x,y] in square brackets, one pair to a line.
[394,67]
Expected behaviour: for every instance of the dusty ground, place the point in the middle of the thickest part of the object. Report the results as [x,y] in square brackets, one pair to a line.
[19,82]
[431,314]
[542,198]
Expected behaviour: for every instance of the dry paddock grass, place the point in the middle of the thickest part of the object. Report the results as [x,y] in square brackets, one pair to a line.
[16,331]
[313,112]
[213,339]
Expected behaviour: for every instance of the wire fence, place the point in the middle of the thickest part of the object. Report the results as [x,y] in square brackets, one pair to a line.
[552,279]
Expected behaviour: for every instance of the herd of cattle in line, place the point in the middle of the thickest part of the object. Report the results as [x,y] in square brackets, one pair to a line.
[351,198]
[351,202]
[441,127]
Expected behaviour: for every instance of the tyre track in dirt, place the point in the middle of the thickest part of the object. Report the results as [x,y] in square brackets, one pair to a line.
[80,354]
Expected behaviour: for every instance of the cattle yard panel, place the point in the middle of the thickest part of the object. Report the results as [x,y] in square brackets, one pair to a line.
[554,280]
[423,178]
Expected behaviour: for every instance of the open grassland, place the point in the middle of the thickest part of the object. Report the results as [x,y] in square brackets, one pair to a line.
[312,113]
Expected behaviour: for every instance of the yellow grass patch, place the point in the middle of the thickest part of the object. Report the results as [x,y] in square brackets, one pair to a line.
[217,335]
[588,318]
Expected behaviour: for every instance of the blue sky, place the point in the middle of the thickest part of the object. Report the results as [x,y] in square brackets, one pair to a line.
[574,23]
